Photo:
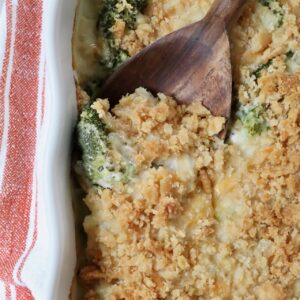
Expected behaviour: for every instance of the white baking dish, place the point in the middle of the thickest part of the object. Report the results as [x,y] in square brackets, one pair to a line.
[55,154]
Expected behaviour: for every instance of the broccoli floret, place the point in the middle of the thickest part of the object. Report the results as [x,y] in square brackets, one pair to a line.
[140,5]
[116,58]
[115,9]
[96,161]
[266,2]
[289,54]
[257,73]
[253,119]
[107,18]
[111,11]
[279,15]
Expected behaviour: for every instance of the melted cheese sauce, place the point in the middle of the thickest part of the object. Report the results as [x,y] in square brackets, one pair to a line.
[87,43]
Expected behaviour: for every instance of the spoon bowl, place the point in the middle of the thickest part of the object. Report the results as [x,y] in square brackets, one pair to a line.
[190,64]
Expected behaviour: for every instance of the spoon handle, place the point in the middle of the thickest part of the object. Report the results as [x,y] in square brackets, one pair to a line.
[227,10]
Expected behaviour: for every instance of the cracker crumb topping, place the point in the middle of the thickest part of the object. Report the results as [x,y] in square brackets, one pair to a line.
[202,218]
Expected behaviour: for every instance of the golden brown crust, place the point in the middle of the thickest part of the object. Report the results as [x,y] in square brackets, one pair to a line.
[203,219]
[146,231]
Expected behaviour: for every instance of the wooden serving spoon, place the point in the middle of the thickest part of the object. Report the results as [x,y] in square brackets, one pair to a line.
[191,64]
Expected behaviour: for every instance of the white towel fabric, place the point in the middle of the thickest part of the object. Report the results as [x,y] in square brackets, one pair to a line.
[37,251]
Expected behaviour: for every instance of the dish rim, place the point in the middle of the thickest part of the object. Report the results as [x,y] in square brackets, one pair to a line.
[55,159]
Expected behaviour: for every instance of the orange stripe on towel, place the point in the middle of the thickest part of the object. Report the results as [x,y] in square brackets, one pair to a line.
[17,189]
[5,64]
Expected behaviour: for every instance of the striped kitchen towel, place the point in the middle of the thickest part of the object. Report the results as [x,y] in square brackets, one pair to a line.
[22,86]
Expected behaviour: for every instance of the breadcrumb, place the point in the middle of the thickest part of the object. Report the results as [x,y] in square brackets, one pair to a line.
[204,219]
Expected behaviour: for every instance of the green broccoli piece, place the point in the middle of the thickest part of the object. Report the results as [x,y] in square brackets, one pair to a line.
[253,119]
[289,54]
[257,72]
[110,13]
[280,17]
[140,5]
[96,161]
[108,16]
[266,2]
[116,58]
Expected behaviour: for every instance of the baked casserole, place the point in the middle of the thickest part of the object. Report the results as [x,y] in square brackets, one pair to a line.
[175,212]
